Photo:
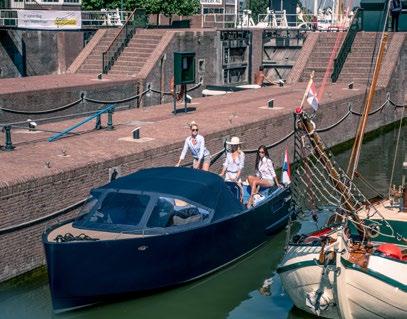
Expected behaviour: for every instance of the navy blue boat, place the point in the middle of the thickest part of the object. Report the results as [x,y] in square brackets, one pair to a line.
[154,229]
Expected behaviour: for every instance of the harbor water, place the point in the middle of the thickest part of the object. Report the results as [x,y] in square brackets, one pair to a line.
[233,292]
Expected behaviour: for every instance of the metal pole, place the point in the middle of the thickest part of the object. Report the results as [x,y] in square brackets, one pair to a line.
[98,125]
[110,119]
[121,10]
[175,99]
[185,98]
[9,145]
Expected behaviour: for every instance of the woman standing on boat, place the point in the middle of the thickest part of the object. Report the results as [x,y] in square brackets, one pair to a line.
[234,162]
[265,173]
[196,144]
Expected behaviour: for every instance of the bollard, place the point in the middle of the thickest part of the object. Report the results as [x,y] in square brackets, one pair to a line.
[9,145]
[110,119]
[98,125]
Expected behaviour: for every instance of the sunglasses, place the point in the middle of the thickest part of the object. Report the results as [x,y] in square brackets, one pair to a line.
[261,152]
[194,130]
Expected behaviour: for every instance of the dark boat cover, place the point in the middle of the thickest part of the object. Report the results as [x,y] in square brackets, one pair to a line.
[201,187]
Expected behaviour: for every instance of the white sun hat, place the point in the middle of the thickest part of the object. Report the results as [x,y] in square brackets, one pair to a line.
[234,141]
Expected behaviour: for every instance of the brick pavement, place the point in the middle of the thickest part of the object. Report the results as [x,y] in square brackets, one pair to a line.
[214,114]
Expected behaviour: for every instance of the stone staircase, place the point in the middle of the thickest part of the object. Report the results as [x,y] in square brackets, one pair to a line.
[319,58]
[136,54]
[93,63]
[359,64]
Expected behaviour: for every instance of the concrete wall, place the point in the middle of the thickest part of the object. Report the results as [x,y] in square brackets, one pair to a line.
[206,46]
[27,53]
[53,98]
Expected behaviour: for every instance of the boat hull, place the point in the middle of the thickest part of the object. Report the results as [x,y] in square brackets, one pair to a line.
[302,278]
[87,272]
[380,291]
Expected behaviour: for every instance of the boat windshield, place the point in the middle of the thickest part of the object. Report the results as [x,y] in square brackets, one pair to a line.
[174,212]
[120,209]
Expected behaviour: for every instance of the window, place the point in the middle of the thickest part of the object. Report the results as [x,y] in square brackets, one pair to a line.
[212,10]
[174,212]
[121,209]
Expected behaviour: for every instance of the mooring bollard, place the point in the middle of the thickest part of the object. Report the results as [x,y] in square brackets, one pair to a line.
[9,145]
[98,125]
[110,119]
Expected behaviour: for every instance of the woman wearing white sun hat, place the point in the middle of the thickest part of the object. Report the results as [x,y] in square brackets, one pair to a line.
[234,162]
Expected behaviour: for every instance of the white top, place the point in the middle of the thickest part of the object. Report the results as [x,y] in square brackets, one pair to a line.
[265,169]
[198,150]
[233,166]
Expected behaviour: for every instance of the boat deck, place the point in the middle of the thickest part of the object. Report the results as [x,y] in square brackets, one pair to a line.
[95,234]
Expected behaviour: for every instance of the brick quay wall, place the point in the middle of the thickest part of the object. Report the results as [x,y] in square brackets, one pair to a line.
[39,178]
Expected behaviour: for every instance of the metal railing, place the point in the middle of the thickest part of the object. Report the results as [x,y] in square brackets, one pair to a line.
[109,57]
[275,20]
[355,26]
[105,18]
[219,20]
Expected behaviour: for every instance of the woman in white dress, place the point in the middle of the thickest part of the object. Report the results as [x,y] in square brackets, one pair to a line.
[196,144]
[234,161]
[265,173]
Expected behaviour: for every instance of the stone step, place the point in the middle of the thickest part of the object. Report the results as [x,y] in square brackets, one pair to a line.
[124,71]
[126,63]
[124,68]
[93,71]
[135,54]
[150,37]
[141,45]
[137,50]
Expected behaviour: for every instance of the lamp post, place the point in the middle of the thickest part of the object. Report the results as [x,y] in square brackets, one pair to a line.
[121,10]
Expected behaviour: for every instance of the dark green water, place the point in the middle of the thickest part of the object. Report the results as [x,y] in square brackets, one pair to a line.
[230,293]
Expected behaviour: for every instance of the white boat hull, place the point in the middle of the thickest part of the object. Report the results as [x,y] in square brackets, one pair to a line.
[378,292]
[303,280]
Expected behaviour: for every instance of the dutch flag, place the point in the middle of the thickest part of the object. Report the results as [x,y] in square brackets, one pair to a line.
[286,175]
[312,97]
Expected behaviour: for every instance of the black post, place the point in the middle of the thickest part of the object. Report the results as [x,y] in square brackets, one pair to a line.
[175,99]
[9,145]
[98,125]
[110,119]
[185,98]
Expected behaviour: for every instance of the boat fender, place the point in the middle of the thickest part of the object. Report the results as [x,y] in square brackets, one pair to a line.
[390,250]
[265,290]
[318,301]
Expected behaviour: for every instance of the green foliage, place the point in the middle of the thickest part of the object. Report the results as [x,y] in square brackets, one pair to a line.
[128,5]
[170,7]
[258,7]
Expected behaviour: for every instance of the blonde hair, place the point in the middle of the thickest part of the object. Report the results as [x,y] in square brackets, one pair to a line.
[193,123]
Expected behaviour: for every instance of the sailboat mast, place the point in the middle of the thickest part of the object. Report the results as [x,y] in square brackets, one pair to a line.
[354,158]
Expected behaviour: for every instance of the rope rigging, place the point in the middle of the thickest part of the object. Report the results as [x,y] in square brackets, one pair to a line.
[313,181]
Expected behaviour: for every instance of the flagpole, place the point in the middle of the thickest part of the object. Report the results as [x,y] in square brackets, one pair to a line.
[307,89]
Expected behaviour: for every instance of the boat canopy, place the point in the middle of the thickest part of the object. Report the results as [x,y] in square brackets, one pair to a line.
[201,187]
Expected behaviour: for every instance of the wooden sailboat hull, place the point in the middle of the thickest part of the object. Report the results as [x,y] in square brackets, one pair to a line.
[302,278]
[380,291]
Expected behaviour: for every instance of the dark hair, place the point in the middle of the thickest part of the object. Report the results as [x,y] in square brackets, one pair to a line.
[266,154]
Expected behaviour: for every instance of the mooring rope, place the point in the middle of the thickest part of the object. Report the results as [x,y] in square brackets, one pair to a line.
[67,106]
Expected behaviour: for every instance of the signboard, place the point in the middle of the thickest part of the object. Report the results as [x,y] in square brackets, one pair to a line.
[49,19]
[211,2]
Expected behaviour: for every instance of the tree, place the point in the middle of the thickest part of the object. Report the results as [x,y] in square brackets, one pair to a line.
[171,7]
[258,7]
[128,5]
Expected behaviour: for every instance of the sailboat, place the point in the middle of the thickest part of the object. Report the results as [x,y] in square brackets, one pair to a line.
[355,266]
